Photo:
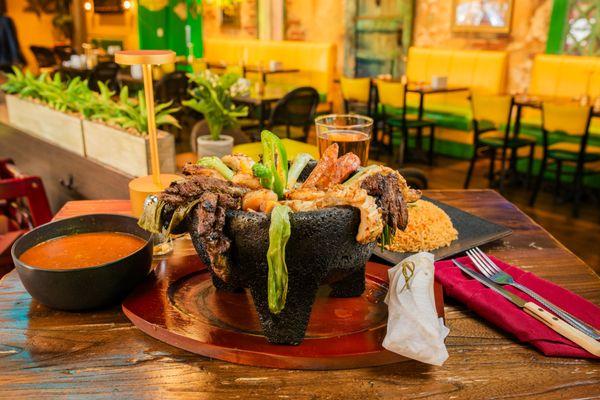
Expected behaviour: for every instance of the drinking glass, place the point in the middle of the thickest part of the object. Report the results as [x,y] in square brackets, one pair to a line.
[351,132]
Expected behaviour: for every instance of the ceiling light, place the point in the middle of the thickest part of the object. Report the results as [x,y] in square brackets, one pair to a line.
[87,6]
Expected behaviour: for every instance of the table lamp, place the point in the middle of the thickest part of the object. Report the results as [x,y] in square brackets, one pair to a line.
[140,188]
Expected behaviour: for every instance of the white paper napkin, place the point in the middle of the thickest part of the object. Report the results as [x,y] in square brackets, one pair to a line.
[414,329]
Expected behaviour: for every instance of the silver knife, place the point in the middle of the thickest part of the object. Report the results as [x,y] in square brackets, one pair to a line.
[552,321]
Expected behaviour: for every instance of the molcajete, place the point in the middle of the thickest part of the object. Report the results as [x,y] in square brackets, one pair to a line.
[322,249]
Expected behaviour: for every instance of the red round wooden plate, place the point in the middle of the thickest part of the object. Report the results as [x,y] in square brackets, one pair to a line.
[179,306]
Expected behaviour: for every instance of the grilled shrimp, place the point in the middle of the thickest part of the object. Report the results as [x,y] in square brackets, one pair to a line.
[238,162]
[371,223]
[247,180]
[259,200]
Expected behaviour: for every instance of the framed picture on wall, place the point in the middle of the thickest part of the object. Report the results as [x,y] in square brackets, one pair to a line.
[489,16]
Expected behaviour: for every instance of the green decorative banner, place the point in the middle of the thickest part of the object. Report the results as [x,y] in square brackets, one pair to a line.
[162,25]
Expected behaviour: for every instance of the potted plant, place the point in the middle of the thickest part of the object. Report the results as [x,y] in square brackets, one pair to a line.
[50,109]
[116,133]
[212,96]
[96,125]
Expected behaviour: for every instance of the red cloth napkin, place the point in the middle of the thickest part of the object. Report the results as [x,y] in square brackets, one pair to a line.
[499,311]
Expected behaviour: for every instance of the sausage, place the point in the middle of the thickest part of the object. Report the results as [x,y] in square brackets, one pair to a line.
[344,167]
[322,172]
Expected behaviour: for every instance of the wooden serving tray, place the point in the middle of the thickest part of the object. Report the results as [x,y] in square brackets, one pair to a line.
[179,305]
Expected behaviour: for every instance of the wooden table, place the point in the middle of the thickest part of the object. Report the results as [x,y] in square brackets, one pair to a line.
[100,354]
[422,91]
[255,69]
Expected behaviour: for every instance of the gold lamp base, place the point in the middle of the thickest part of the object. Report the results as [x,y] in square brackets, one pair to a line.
[144,186]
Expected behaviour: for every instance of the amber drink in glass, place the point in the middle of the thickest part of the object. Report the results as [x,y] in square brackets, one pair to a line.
[352,133]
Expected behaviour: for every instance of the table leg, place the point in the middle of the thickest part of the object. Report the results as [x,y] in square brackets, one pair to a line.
[372,104]
[261,116]
[419,138]
[518,119]
[512,167]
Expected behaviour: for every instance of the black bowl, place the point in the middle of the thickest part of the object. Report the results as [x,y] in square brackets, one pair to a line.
[84,288]
[322,250]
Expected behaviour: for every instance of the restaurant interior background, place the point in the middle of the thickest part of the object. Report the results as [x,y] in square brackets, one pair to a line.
[368,38]
[336,199]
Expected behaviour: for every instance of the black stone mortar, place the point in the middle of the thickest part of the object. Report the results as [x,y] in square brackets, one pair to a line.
[322,249]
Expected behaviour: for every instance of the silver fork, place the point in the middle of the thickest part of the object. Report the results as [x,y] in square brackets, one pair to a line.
[488,268]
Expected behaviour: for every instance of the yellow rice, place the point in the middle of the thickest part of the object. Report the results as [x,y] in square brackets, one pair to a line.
[429,228]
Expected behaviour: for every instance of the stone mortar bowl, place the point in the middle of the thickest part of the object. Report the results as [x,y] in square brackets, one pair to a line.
[322,249]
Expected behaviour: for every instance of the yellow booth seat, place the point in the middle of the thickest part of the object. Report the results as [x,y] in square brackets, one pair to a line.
[479,70]
[563,78]
[316,61]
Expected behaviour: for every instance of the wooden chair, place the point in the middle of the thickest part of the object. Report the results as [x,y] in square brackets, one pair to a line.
[490,114]
[392,95]
[295,109]
[23,205]
[565,129]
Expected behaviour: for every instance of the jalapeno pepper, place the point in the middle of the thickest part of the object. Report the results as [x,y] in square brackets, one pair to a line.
[275,158]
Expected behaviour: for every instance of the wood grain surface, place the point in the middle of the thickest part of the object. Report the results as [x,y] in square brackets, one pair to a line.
[49,354]
[179,305]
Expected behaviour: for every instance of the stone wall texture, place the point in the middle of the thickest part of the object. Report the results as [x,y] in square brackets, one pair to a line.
[527,37]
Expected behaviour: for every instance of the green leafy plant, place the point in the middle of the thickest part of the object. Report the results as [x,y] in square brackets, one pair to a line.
[75,96]
[213,96]
[25,84]
[130,114]
[72,96]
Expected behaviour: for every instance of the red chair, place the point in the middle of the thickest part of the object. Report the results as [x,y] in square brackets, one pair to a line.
[23,206]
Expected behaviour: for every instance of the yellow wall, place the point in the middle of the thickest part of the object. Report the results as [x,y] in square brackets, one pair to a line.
[114,27]
[317,21]
[32,30]
[304,21]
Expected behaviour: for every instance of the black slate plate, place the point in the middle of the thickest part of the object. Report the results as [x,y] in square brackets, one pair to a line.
[472,231]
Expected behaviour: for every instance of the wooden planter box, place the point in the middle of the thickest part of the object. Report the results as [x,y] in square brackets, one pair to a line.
[63,130]
[126,152]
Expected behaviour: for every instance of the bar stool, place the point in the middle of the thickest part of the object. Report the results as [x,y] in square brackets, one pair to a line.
[490,113]
[565,129]
[392,95]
